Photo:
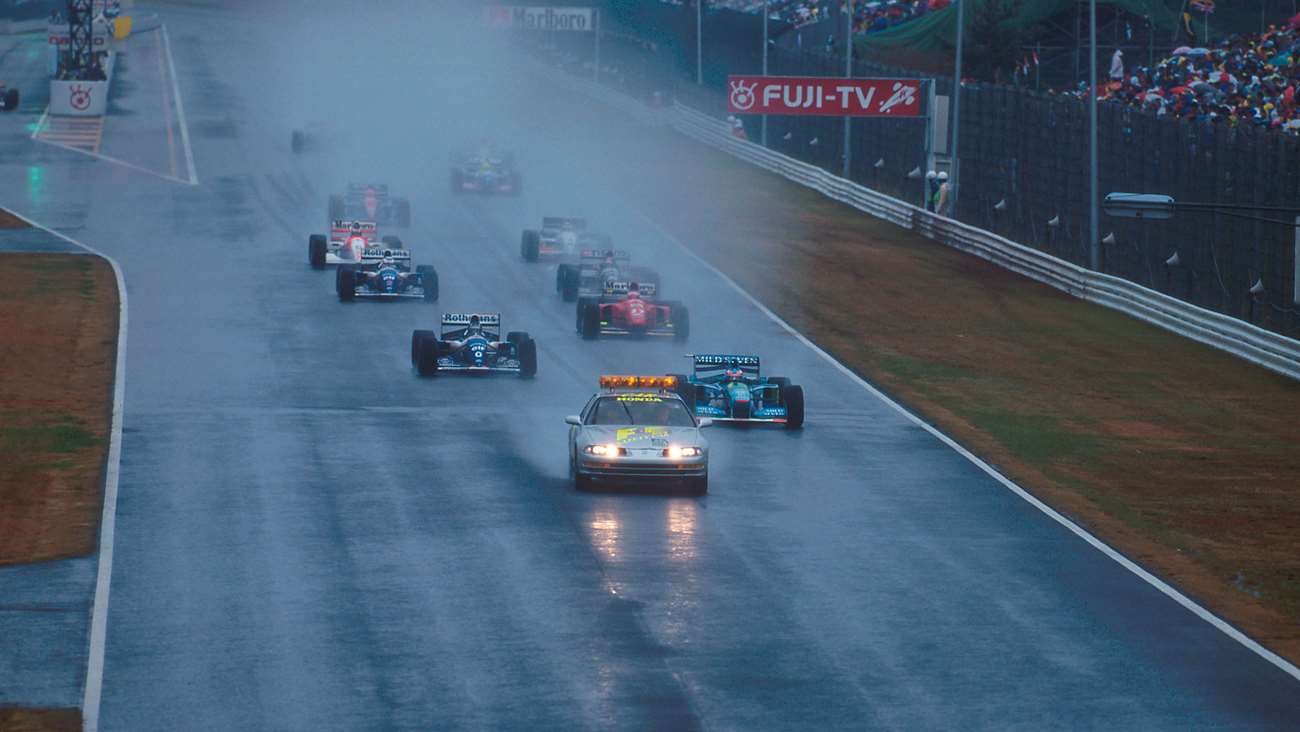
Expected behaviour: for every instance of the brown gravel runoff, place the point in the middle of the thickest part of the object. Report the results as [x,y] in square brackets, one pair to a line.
[13,719]
[58,347]
[1182,457]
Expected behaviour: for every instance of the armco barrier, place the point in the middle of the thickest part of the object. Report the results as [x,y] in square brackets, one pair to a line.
[1257,345]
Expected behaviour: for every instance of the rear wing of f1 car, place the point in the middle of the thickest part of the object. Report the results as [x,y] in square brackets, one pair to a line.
[562,222]
[344,226]
[646,289]
[455,324]
[597,255]
[713,364]
[372,255]
[379,189]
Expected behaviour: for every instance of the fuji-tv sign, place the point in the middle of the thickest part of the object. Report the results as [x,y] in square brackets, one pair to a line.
[540,18]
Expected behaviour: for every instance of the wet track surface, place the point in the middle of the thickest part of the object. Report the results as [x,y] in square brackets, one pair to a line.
[310,537]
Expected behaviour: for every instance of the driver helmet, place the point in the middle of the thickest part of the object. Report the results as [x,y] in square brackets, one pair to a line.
[389,261]
[734,371]
[474,325]
[633,291]
[355,228]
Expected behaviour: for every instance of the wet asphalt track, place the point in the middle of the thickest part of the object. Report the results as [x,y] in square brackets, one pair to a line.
[310,537]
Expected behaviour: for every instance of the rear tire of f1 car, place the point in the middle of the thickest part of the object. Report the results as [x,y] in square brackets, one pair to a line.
[429,281]
[403,213]
[529,245]
[417,342]
[568,281]
[681,323]
[337,209]
[792,397]
[345,282]
[392,242]
[527,357]
[316,248]
[11,100]
[589,320]
[426,362]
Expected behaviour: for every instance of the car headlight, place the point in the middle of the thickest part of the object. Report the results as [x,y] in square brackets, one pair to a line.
[677,451]
[604,450]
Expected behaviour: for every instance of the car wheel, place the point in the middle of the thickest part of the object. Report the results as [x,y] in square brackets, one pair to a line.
[792,397]
[429,281]
[11,100]
[427,363]
[681,323]
[529,245]
[417,342]
[392,242]
[317,246]
[298,141]
[589,321]
[345,282]
[527,357]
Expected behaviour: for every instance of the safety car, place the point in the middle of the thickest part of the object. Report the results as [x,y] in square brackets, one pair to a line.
[386,274]
[371,202]
[626,309]
[731,388]
[637,429]
[471,343]
[595,268]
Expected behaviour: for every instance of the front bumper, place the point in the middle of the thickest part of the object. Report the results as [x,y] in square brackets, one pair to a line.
[638,467]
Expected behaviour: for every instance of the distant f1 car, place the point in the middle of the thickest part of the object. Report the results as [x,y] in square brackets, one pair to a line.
[558,236]
[622,310]
[386,274]
[598,267]
[371,202]
[727,388]
[346,243]
[8,98]
[471,342]
[485,171]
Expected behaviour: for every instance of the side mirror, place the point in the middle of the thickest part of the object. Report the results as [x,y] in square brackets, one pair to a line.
[574,420]
[705,422]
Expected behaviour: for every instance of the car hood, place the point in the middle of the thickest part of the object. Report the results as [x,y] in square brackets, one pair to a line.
[649,437]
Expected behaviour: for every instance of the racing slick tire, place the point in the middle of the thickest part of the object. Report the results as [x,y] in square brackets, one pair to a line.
[568,282]
[345,282]
[429,281]
[418,337]
[792,397]
[316,248]
[457,181]
[781,381]
[685,389]
[403,213]
[337,209]
[527,357]
[589,320]
[392,242]
[11,100]
[426,361]
[515,337]
[529,244]
[298,141]
[581,482]
[681,323]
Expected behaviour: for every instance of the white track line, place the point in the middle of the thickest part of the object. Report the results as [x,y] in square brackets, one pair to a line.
[1200,612]
[108,520]
[180,108]
[113,160]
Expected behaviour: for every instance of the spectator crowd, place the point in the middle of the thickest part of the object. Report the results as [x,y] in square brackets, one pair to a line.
[868,17]
[1244,79]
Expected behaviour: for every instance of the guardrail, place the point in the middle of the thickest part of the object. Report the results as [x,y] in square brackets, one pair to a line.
[1252,343]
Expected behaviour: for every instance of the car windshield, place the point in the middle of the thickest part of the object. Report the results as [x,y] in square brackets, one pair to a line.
[641,409]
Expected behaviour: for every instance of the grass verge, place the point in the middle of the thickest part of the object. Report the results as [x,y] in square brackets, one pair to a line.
[13,719]
[58,346]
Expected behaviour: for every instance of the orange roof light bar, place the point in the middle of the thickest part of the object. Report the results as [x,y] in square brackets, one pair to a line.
[638,382]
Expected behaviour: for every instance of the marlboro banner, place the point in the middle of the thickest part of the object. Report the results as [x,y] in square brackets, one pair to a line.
[819,95]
